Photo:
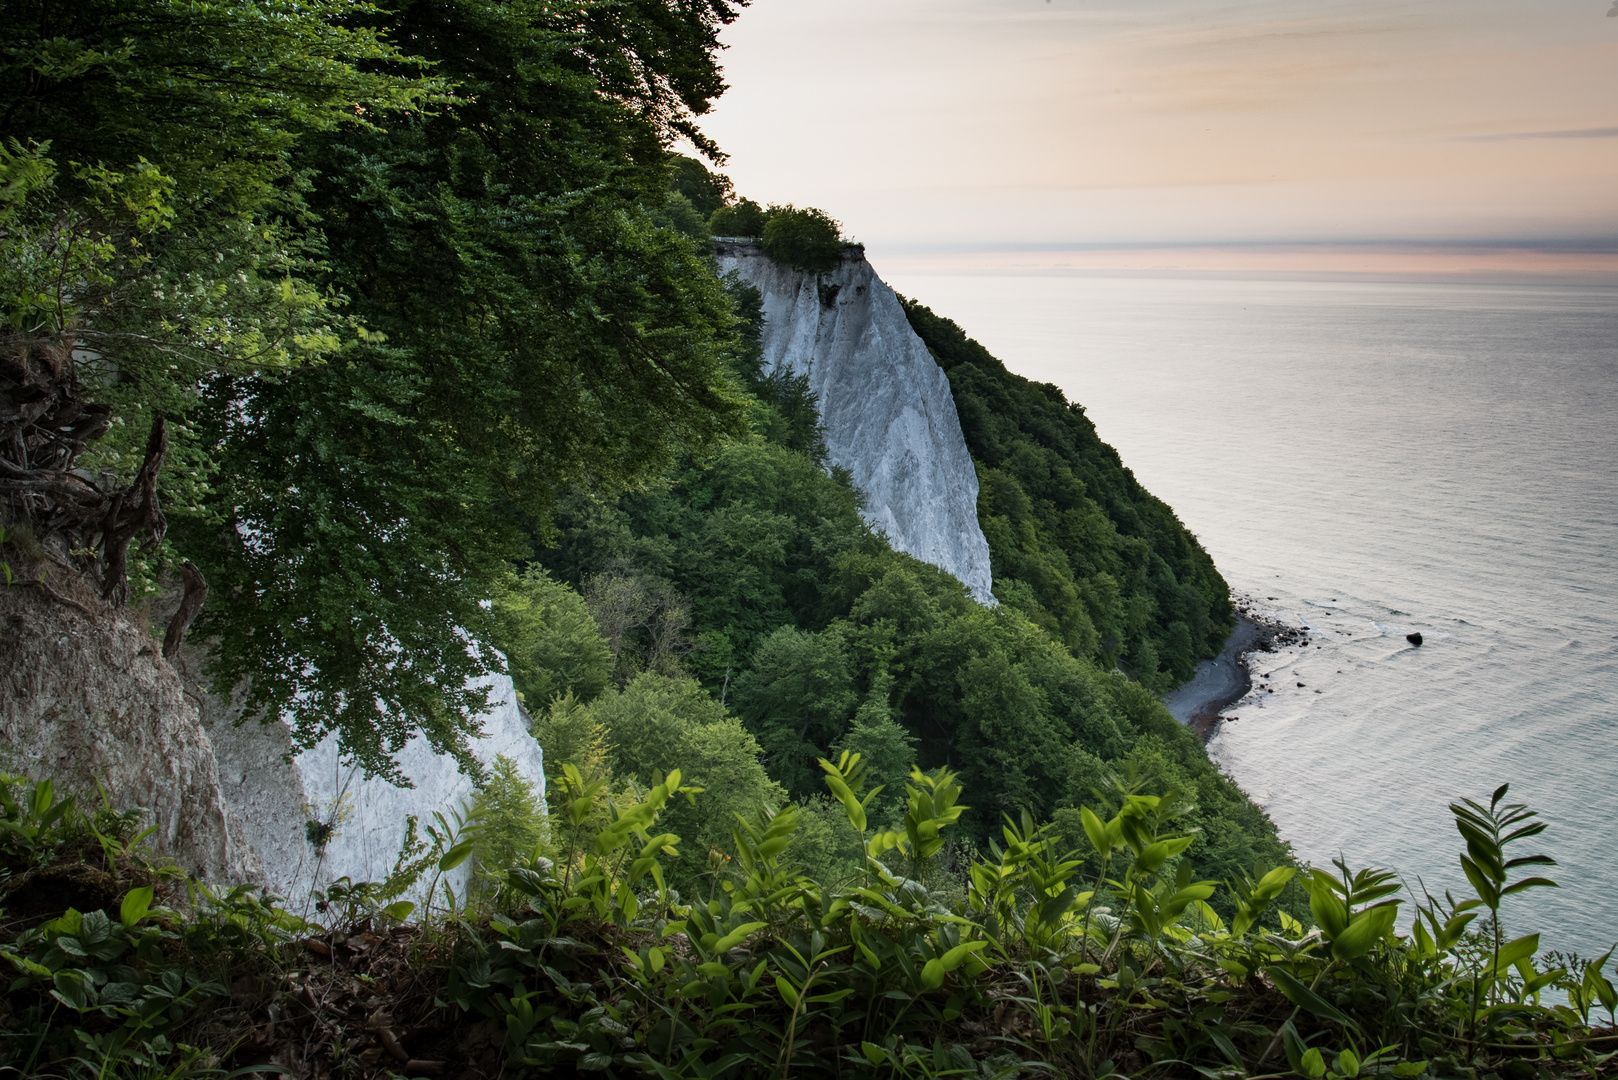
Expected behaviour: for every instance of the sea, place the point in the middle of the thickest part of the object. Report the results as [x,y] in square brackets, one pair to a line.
[1368,460]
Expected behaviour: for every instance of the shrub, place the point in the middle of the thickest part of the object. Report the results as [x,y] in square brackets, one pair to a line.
[550,639]
[1094,954]
[808,239]
[513,819]
[744,217]
[680,215]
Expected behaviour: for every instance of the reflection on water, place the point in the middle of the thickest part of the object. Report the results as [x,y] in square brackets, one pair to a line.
[1371,460]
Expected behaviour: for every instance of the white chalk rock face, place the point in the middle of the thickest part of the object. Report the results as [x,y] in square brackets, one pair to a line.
[276,796]
[886,405]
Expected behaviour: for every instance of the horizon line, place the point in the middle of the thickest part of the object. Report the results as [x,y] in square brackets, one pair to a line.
[1597,245]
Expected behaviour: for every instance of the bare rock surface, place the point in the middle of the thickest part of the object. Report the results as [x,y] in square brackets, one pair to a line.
[886,405]
[278,794]
[88,699]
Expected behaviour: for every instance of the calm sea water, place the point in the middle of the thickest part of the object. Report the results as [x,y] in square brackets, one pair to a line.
[1369,460]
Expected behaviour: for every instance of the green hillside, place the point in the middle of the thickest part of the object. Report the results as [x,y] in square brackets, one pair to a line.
[1077,544]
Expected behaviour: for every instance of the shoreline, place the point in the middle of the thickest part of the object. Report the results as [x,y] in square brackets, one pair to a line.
[1226,679]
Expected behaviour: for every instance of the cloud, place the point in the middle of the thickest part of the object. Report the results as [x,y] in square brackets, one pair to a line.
[1014,120]
[1573,133]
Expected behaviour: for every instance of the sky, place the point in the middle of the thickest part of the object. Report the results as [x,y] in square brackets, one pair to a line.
[1437,128]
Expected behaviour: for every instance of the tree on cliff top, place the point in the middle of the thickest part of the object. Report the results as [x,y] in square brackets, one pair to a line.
[808,239]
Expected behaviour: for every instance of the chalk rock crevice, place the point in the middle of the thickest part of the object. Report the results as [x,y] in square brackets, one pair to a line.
[886,405]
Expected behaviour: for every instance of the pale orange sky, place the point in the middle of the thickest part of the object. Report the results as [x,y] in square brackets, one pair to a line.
[1017,122]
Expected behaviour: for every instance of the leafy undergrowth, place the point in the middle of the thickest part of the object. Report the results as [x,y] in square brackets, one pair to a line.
[586,964]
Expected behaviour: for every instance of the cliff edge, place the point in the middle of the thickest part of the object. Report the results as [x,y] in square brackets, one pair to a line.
[886,405]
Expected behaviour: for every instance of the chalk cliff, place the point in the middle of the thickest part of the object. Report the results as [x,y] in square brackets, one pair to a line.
[887,409]
[275,795]
[87,700]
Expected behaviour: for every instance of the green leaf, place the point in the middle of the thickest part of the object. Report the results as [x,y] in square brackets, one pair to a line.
[833,996]
[1305,998]
[1330,913]
[1540,982]
[1599,983]
[1348,1063]
[95,928]
[455,856]
[1271,884]
[851,803]
[957,956]
[1481,882]
[1425,946]
[1314,1063]
[1294,1046]
[1155,855]
[932,974]
[1410,1068]
[1530,883]
[1366,929]
[137,902]
[1520,949]
[1530,860]
[1095,830]
[42,798]
[399,910]
[737,936]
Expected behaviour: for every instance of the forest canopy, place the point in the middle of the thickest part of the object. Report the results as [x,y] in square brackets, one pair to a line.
[1075,542]
[400,322]
[388,274]
[753,574]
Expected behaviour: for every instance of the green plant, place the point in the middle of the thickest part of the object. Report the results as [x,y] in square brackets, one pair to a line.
[1488,831]
[744,217]
[808,239]
[512,829]
[34,824]
[596,963]
[454,838]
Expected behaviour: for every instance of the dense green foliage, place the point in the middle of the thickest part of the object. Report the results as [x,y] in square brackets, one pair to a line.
[537,330]
[754,573]
[1027,961]
[705,190]
[744,217]
[394,272]
[808,239]
[1076,543]
[149,209]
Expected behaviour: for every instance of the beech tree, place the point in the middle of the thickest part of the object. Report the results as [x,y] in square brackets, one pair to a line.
[379,278]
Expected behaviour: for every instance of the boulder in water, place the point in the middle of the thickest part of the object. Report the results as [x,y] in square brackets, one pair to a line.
[1414,639]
